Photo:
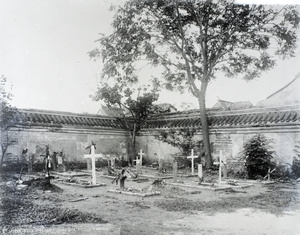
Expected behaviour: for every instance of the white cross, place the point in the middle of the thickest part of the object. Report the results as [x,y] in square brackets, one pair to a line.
[141,156]
[137,164]
[192,157]
[93,156]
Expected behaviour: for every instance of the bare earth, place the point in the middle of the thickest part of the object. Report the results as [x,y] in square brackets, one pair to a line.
[128,214]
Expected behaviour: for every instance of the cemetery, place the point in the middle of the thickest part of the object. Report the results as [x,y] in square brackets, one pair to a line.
[72,171]
[138,165]
[79,164]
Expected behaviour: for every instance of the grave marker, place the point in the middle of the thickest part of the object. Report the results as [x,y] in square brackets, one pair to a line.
[160,165]
[200,172]
[138,165]
[224,166]
[141,156]
[175,169]
[192,157]
[93,156]
[59,160]
[220,168]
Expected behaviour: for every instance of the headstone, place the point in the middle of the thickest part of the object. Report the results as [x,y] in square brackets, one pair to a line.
[54,161]
[113,162]
[200,171]
[160,165]
[175,170]
[141,156]
[192,157]
[59,160]
[220,169]
[224,167]
[30,160]
[93,157]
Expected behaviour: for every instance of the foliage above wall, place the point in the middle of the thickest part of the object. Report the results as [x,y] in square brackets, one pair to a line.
[182,139]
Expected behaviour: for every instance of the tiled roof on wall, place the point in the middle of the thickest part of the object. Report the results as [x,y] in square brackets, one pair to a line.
[252,117]
[239,118]
[59,119]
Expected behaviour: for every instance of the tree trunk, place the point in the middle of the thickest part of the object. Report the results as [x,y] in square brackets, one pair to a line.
[205,129]
[132,146]
[131,151]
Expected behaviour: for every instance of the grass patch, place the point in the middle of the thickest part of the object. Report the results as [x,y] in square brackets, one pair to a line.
[275,202]
[19,209]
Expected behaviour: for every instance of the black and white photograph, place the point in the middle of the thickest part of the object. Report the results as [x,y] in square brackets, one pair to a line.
[149,117]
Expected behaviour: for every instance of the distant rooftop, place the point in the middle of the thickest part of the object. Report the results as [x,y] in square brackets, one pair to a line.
[287,95]
[226,105]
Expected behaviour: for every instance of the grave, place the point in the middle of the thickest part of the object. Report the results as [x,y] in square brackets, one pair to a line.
[75,179]
[175,168]
[139,194]
[93,157]
[200,171]
[141,156]
[192,156]
[138,165]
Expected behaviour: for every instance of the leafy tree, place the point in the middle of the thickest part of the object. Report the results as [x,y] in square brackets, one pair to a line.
[195,42]
[138,108]
[258,156]
[181,139]
[8,118]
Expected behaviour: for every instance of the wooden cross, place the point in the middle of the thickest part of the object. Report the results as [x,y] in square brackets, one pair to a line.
[138,165]
[141,156]
[192,157]
[93,156]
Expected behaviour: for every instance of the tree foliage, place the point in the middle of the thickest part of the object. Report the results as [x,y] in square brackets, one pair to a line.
[139,108]
[258,156]
[182,139]
[296,161]
[195,41]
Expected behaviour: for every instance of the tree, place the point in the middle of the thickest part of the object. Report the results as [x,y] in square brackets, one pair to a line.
[183,139]
[195,42]
[8,118]
[258,156]
[138,109]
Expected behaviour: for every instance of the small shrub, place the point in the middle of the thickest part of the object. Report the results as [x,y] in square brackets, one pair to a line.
[258,156]
[296,162]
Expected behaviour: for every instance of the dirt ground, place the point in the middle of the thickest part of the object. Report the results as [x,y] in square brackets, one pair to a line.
[258,209]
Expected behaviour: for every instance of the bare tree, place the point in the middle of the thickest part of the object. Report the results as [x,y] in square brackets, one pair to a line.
[8,118]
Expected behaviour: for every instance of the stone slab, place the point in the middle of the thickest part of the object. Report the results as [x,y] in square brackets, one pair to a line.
[113,177]
[70,174]
[201,187]
[135,194]
[81,185]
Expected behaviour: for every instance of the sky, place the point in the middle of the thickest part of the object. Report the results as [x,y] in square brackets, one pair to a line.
[44,47]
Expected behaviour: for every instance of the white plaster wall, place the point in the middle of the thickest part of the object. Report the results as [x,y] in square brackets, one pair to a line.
[284,141]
